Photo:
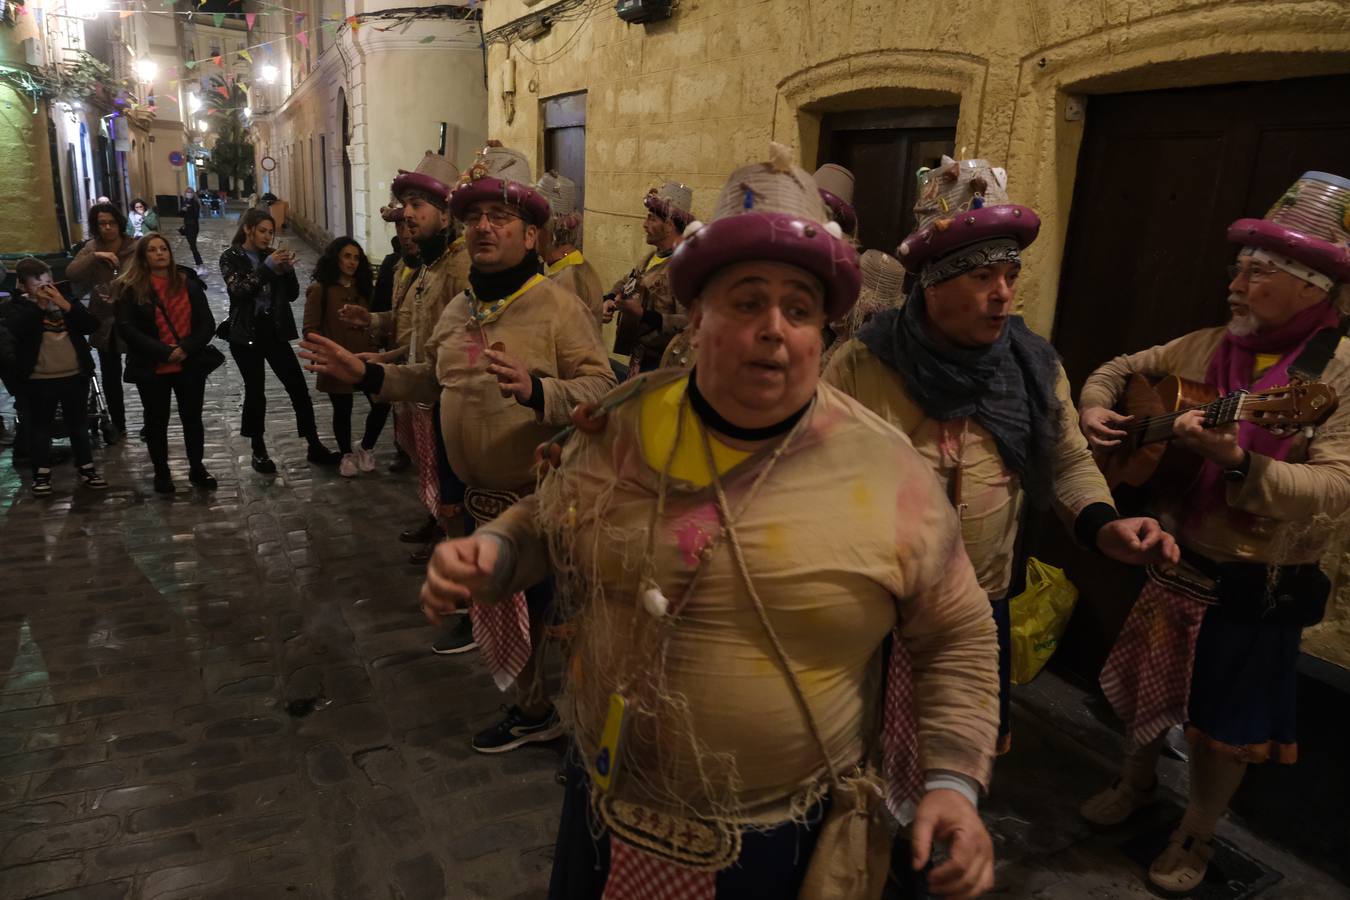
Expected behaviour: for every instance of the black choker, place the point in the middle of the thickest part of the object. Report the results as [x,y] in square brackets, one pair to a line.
[710,417]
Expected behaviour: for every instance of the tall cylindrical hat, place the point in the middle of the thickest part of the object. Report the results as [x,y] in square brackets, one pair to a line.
[836,189]
[1309,224]
[769,211]
[434,176]
[500,173]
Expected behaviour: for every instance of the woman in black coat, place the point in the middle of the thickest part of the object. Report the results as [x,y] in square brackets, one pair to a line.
[191,208]
[261,282]
[165,321]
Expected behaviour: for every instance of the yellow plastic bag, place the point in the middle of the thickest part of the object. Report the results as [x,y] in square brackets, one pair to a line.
[1038,617]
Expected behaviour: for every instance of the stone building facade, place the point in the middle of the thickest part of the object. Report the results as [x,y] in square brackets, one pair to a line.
[347,109]
[695,95]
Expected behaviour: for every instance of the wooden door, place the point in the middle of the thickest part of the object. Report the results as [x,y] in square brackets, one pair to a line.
[1161,175]
[565,139]
[883,148]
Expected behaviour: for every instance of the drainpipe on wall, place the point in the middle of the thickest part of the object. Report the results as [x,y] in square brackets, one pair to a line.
[57,194]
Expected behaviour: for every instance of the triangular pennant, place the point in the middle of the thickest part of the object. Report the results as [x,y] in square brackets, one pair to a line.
[224,92]
[330,26]
[126,13]
[248,57]
[191,64]
[249,19]
[303,38]
[217,19]
[353,23]
[428,39]
[299,17]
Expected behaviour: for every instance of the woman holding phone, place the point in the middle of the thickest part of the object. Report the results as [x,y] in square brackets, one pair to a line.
[261,283]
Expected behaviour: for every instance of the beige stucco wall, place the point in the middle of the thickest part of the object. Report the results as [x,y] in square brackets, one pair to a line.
[29,222]
[695,96]
[399,91]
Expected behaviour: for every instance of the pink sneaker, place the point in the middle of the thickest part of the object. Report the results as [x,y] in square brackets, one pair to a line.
[347,465]
[365,460]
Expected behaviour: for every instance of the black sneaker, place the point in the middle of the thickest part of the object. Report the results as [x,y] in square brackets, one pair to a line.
[90,478]
[322,456]
[264,465]
[401,462]
[457,637]
[42,483]
[420,534]
[202,478]
[164,484]
[515,730]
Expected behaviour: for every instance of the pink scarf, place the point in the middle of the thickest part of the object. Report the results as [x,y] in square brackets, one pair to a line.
[1231,369]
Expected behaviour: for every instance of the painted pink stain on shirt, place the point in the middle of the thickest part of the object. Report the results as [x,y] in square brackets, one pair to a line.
[473,345]
[694,530]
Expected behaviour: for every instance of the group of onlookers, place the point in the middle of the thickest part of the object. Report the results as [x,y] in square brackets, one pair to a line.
[129,298]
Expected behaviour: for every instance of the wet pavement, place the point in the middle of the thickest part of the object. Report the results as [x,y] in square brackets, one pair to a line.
[231,695]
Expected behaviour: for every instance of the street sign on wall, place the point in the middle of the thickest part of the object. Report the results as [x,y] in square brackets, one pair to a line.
[175,158]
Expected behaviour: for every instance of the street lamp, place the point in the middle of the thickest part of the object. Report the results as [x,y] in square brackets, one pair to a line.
[268,74]
[147,70]
[194,102]
[248,112]
[201,125]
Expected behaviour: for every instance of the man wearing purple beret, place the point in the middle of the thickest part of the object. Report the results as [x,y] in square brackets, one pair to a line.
[984,400]
[1213,643]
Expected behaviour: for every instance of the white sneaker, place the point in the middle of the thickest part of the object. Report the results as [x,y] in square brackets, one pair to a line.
[365,460]
[347,466]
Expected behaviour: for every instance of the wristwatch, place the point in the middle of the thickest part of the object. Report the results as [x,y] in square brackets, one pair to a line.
[1239,472]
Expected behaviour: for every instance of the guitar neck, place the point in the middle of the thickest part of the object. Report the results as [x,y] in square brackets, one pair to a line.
[1152,429]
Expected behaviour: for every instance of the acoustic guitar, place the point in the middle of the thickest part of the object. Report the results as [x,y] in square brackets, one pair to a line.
[1146,454]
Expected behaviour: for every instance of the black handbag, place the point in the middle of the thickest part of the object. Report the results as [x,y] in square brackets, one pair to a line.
[204,361]
[1255,593]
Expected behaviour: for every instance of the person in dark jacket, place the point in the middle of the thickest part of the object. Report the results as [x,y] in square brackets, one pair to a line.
[261,283]
[165,320]
[52,367]
[91,273]
[191,208]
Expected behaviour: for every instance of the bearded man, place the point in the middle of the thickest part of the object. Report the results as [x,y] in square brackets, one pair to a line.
[1214,642]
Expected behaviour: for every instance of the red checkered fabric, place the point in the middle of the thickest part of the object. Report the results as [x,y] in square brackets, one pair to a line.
[637,875]
[1147,677]
[503,635]
[415,428]
[899,735]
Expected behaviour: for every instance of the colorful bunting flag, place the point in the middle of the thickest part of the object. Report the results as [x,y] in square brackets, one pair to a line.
[216,59]
[428,39]
[353,23]
[248,57]
[217,19]
[191,64]
[126,13]
[249,19]
[303,38]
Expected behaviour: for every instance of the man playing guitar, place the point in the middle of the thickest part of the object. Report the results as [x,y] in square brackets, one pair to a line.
[1214,642]
[649,316]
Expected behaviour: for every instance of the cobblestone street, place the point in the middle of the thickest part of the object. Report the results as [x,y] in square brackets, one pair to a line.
[232,695]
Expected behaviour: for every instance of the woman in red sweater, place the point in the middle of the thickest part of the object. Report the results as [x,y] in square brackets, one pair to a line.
[166,322]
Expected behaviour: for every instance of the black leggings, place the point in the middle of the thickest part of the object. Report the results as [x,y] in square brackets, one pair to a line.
[342,421]
[43,396]
[190,232]
[110,378]
[270,351]
[190,391]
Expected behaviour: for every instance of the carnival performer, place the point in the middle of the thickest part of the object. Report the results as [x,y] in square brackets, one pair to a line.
[649,315]
[392,276]
[984,399]
[559,244]
[509,359]
[422,291]
[734,545]
[836,189]
[1214,642]
[883,280]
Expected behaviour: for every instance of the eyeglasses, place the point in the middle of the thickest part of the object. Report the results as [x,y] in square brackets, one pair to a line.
[1251,273]
[498,218]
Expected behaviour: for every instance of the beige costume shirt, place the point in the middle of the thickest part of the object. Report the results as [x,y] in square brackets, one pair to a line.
[575,273]
[1271,512]
[847,535]
[490,439]
[991,496]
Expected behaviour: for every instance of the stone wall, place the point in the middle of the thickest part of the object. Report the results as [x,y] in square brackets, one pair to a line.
[398,91]
[693,97]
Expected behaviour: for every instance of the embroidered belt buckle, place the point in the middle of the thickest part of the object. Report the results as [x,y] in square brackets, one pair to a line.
[702,844]
[485,505]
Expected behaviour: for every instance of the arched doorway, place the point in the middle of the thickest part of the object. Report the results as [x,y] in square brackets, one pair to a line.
[346,164]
